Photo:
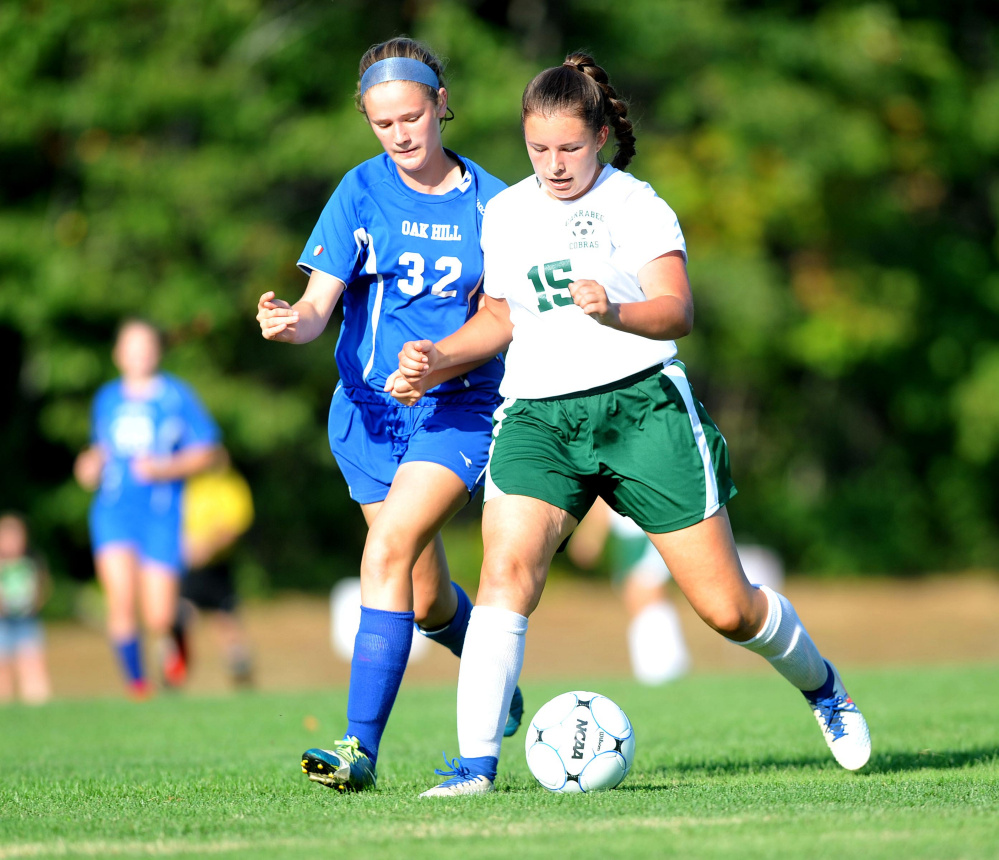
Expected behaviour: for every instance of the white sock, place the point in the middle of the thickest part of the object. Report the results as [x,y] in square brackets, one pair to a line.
[655,642]
[490,666]
[786,645]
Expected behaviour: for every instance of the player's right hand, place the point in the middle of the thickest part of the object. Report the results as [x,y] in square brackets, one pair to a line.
[406,392]
[277,318]
[417,359]
[88,467]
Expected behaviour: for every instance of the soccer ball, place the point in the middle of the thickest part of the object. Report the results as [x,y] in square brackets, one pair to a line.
[582,228]
[580,742]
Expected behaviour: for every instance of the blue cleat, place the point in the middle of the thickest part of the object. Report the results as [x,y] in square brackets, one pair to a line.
[346,767]
[516,713]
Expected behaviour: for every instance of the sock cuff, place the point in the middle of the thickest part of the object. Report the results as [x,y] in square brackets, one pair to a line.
[770,626]
[499,620]
[389,615]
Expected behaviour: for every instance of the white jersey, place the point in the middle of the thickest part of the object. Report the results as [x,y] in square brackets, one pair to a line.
[535,246]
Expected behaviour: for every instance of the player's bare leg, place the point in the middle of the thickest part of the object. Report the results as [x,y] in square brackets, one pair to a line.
[706,567]
[159,592]
[118,573]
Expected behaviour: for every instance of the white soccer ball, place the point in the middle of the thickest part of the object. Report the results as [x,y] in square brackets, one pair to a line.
[580,742]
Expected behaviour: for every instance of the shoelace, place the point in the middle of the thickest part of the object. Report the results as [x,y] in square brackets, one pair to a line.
[831,710]
[457,772]
[349,750]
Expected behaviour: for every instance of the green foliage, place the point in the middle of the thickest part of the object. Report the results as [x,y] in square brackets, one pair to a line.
[728,767]
[834,172]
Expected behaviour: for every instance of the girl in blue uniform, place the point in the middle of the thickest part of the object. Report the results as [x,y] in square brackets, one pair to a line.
[399,242]
[149,432]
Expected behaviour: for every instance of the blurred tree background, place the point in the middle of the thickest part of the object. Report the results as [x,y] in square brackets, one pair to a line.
[833,165]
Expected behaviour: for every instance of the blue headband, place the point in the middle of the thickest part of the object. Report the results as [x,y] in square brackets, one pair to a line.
[398,69]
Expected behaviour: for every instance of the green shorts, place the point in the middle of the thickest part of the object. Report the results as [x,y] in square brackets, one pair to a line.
[644,443]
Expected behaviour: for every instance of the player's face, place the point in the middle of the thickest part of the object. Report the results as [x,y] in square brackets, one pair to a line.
[564,152]
[406,122]
[137,352]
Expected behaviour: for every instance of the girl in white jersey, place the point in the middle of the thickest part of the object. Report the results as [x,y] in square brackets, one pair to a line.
[587,286]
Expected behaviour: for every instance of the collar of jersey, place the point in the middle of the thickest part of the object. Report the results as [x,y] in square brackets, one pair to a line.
[457,191]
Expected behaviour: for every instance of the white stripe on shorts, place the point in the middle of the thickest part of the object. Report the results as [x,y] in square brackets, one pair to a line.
[679,379]
[490,490]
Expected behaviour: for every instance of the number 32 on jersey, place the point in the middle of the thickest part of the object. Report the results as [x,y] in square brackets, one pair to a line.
[412,284]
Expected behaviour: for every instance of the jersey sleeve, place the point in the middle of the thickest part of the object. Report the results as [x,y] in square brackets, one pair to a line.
[332,247]
[199,426]
[649,228]
[490,243]
[100,411]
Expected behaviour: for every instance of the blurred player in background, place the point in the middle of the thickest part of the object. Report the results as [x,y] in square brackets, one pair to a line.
[149,433]
[656,646]
[217,511]
[24,588]
[586,285]
[399,241]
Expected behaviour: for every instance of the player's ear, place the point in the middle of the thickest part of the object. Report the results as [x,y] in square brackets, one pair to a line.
[441,103]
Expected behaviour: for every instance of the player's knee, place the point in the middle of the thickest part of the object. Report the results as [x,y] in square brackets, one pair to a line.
[732,621]
[386,558]
[508,581]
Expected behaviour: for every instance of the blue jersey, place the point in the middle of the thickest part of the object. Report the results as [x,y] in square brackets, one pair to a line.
[412,265]
[168,418]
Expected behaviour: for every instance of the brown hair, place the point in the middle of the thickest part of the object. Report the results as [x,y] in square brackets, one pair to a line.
[579,87]
[401,46]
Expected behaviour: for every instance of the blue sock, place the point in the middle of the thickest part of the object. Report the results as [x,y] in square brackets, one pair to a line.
[482,766]
[452,634]
[130,656]
[381,651]
[826,690]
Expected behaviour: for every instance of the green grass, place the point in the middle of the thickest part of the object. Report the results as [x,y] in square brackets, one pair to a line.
[726,767]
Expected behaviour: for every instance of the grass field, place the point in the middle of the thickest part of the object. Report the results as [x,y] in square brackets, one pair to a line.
[725,767]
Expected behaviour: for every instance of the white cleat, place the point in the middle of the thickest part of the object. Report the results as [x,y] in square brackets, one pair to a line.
[842,724]
[461,781]
[460,785]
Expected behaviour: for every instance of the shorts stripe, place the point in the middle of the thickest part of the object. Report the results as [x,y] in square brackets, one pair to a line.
[679,379]
[490,490]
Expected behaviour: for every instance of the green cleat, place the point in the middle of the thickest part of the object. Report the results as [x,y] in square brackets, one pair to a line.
[516,713]
[346,767]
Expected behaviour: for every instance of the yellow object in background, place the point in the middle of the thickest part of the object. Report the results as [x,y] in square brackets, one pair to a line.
[217,509]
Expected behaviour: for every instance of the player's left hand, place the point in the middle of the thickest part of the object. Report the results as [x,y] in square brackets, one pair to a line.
[406,391]
[591,298]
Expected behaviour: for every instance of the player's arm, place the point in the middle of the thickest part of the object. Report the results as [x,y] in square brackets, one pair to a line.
[306,319]
[180,465]
[424,365]
[667,313]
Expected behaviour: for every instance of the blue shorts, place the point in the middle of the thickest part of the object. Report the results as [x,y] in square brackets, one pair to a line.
[19,634]
[371,435]
[152,535]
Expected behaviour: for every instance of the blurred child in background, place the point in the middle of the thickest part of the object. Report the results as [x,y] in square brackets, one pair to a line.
[24,587]
[217,511]
[656,645]
[149,434]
